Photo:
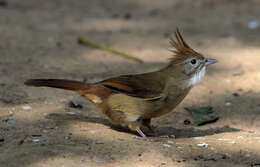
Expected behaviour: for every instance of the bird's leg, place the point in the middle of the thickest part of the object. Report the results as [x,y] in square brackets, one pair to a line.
[135,126]
[147,123]
[139,131]
[142,135]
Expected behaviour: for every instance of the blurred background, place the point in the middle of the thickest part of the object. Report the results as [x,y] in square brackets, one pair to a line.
[39,40]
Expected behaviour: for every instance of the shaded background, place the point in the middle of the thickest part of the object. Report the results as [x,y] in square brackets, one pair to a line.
[39,39]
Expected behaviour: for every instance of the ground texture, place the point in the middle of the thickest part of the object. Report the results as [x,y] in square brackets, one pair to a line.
[38,40]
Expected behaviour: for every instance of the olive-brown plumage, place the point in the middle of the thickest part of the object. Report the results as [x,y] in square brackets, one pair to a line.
[133,100]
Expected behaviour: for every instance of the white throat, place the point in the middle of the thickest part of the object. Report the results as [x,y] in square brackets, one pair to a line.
[196,78]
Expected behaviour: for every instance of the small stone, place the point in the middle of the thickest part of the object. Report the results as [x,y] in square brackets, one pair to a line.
[26,107]
[248,155]
[233,142]
[35,140]
[253,24]
[238,73]
[186,122]
[127,16]
[202,145]
[50,39]
[201,157]
[11,121]
[224,156]
[214,150]
[179,147]
[71,113]
[166,145]
[3,3]
[67,137]
[170,142]
[199,138]
[59,44]
[228,104]
[240,137]
[172,136]
[235,94]
[75,105]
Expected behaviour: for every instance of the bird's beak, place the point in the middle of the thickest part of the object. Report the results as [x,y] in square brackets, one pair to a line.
[210,61]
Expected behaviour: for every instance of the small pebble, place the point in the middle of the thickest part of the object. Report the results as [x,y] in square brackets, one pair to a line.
[3,3]
[50,39]
[26,107]
[202,145]
[235,94]
[214,150]
[253,24]
[227,104]
[238,73]
[172,136]
[71,113]
[45,131]
[186,122]
[199,138]
[170,142]
[233,142]
[127,16]
[11,121]
[75,105]
[36,140]
[224,139]
[92,131]
[67,137]
[248,155]
[59,44]
[224,156]
[166,145]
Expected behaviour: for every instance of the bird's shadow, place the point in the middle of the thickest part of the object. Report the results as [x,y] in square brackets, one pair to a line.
[160,131]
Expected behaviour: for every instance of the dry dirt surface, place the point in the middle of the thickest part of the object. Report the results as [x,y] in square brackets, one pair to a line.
[38,40]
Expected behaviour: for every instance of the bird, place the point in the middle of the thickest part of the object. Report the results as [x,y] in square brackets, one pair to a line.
[133,100]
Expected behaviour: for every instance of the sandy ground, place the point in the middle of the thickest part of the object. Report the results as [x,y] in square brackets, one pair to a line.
[38,40]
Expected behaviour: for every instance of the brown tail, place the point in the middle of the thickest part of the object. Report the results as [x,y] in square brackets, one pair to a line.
[58,83]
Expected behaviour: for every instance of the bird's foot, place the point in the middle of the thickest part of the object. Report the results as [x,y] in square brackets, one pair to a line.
[155,134]
[144,138]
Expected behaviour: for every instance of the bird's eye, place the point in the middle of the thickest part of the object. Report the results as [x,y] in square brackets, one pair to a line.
[193,61]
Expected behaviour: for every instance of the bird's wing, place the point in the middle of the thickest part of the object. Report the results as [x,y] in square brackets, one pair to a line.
[148,86]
